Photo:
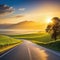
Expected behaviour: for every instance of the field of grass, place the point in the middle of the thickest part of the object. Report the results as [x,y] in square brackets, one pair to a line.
[43,39]
[7,42]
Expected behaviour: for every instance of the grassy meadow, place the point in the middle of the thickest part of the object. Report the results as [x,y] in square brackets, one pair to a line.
[7,42]
[43,39]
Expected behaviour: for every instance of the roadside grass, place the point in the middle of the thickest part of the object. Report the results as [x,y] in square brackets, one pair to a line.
[43,39]
[54,45]
[7,42]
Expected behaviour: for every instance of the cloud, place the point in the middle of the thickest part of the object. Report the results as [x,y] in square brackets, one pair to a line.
[12,19]
[5,10]
[18,16]
[22,9]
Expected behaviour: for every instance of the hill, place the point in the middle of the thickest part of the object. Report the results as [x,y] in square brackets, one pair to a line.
[24,25]
[29,25]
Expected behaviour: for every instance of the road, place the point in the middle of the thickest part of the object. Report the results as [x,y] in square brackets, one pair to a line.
[29,51]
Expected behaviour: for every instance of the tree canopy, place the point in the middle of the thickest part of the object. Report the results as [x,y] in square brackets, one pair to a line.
[54,27]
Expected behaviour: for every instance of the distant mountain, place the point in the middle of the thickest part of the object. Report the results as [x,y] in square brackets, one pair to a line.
[25,25]
[29,25]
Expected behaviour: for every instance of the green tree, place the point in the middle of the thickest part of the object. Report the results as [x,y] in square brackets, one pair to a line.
[54,27]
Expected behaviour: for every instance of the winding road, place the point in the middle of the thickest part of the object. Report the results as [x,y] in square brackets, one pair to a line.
[29,51]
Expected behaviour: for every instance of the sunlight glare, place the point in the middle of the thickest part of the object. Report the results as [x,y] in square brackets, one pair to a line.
[49,20]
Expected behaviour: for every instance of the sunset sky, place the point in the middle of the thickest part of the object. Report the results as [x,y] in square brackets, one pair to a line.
[15,11]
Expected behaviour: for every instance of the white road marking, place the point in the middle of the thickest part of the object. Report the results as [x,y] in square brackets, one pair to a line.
[27,45]
[29,53]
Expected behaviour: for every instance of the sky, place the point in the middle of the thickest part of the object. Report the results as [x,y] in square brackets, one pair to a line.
[15,11]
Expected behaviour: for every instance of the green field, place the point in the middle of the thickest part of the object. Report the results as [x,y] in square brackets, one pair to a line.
[40,37]
[7,41]
[43,39]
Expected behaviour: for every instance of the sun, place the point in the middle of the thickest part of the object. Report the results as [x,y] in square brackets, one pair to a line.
[49,20]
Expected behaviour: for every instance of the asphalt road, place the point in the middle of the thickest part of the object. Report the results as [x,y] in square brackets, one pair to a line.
[29,51]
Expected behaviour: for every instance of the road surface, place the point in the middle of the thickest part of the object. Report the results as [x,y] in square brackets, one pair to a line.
[29,51]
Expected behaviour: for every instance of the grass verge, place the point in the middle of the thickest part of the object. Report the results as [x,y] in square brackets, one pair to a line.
[54,45]
[7,43]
